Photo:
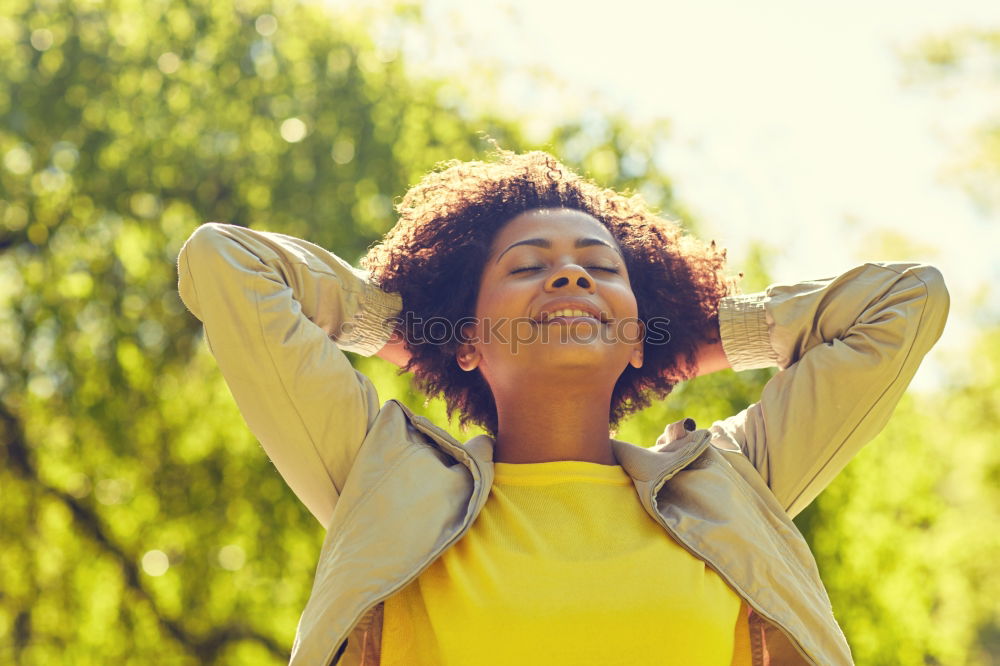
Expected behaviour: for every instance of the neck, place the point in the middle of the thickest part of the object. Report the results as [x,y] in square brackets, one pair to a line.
[547,425]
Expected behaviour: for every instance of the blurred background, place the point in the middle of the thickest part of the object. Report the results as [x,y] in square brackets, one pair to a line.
[140,521]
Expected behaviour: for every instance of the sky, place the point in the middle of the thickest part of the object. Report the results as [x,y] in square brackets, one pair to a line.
[792,123]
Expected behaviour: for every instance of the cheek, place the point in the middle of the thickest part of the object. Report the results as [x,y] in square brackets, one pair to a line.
[504,298]
[625,299]
[485,306]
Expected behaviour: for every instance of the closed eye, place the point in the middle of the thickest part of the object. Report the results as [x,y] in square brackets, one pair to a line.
[525,269]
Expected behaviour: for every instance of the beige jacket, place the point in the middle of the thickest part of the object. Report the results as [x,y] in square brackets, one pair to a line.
[394,491]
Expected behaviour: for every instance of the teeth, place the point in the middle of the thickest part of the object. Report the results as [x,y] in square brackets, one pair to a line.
[567,312]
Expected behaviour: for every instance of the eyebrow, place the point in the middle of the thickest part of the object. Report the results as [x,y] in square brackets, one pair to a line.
[542,242]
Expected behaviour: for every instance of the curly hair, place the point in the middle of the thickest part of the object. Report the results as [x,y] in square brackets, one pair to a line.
[434,258]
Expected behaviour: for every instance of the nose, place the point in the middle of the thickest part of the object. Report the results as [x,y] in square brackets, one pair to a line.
[570,274]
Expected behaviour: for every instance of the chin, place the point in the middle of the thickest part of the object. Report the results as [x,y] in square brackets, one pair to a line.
[564,355]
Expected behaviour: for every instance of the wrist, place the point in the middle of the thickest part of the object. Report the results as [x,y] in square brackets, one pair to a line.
[710,357]
[394,351]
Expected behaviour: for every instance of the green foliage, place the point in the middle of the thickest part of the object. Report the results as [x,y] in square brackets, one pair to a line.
[150,528]
[906,536]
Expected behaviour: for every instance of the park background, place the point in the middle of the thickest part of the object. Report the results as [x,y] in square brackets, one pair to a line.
[141,522]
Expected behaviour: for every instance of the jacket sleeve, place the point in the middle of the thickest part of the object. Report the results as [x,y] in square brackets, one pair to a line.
[277,312]
[847,347]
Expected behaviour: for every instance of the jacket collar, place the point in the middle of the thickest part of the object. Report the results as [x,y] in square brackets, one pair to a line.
[674,450]
[657,463]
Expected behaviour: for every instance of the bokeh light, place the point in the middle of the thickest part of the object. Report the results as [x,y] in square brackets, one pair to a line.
[155,562]
[293,130]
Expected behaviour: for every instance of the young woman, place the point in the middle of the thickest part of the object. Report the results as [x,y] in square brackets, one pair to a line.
[545,309]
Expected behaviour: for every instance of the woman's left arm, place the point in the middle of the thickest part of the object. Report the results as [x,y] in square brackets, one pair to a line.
[710,357]
[847,347]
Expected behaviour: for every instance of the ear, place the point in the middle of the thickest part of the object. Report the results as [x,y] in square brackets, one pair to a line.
[635,360]
[468,357]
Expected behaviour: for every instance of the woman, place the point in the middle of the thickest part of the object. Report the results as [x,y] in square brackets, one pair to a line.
[545,309]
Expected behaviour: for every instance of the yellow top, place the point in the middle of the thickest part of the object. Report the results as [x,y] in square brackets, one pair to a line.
[564,566]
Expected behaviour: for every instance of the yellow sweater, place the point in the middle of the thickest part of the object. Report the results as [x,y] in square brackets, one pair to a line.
[564,566]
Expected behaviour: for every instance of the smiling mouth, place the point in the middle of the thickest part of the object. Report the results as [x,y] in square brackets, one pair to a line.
[569,315]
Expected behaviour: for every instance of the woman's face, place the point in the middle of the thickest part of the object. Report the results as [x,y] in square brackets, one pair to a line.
[554,301]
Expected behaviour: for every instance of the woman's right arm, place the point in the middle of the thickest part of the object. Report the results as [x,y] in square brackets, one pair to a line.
[277,312]
[847,347]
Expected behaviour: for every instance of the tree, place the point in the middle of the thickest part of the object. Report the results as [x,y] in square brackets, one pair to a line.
[142,522]
[906,536]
